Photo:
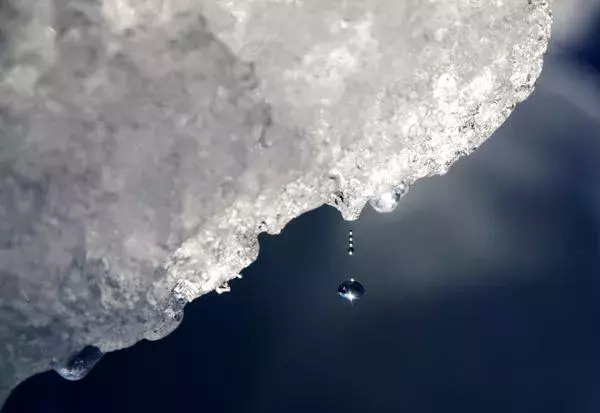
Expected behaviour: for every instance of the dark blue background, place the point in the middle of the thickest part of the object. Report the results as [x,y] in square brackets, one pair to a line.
[482,295]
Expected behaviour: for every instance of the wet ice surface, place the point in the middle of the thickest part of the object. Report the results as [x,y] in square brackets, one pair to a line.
[483,296]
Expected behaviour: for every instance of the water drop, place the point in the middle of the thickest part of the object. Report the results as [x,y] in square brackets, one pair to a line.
[388,201]
[351,290]
[78,365]
[350,250]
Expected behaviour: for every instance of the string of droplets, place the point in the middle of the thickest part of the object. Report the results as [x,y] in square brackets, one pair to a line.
[351,289]
[350,243]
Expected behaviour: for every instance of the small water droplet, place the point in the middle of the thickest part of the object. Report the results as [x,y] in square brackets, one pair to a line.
[350,243]
[80,364]
[388,201]
[351,290]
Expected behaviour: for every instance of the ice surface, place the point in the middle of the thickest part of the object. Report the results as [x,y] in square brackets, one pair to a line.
[145,143]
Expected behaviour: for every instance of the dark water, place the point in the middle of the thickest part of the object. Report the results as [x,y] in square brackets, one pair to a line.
[482,288]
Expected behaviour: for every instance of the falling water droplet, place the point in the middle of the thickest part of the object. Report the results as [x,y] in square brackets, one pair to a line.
[80,364]
[351,290]
[351,251]
[388,201]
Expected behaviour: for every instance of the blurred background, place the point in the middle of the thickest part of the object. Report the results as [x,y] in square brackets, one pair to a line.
[483,288]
